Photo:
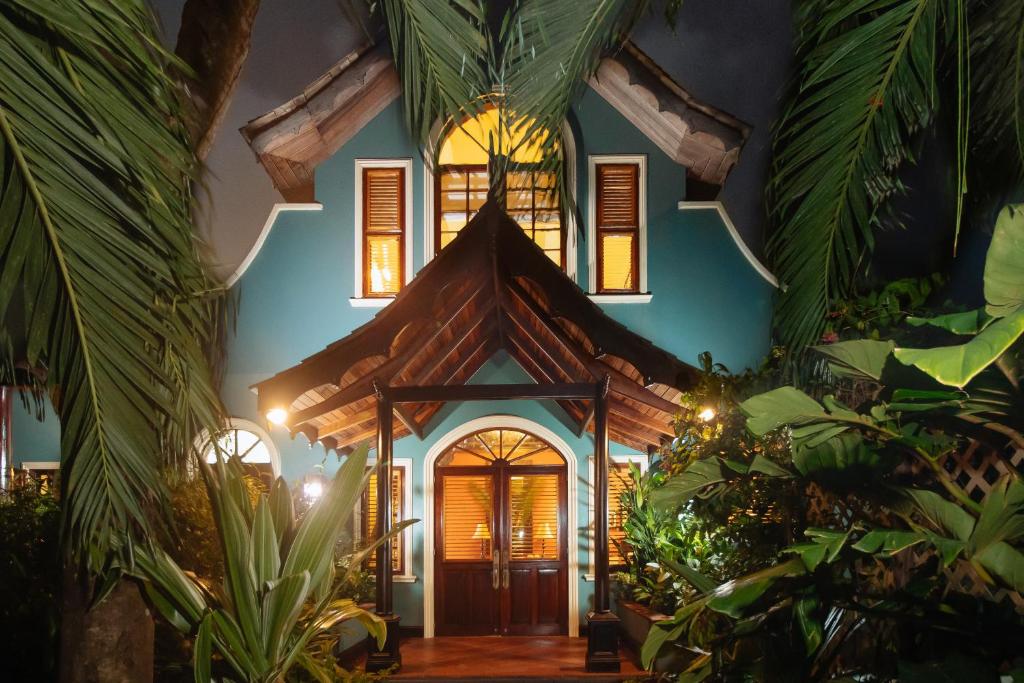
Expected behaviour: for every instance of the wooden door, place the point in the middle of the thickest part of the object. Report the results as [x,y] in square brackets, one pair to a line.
[468,567]
[534,596]
[501,548]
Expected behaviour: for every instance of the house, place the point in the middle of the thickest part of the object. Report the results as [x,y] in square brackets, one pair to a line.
[506,360]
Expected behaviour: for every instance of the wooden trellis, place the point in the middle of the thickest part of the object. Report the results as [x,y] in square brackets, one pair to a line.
[976,469]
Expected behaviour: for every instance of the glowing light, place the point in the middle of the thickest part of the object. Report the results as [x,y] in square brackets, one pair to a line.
[313,489]
[706,415]
[277,416]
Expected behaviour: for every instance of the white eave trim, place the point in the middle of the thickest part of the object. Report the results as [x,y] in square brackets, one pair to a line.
[370,301]
[621,298]
[734,233]
[265,232]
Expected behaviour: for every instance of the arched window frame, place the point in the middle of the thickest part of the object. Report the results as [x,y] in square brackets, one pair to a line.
[429,205]
[204,438]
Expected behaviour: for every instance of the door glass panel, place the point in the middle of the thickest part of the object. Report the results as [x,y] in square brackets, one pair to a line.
[533,503]
[467,505]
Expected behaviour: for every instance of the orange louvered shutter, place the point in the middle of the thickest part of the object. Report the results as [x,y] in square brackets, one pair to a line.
[397,515]
[619,482]
[618,227]
[383,230]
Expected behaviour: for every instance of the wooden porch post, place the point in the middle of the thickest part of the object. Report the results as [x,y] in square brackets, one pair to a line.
[379,659]
[602,624]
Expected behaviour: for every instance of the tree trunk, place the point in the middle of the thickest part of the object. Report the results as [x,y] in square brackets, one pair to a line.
[112,642]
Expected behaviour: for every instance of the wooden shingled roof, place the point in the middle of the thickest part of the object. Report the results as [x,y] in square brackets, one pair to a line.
[492,288]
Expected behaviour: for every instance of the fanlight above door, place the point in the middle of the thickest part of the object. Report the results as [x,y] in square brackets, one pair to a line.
[508,446]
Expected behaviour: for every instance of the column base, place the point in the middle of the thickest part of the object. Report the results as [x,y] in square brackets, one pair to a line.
[602,642]
[390,656]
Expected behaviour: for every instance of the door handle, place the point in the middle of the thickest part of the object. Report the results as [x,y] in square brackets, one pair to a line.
[495,564]
[504,573]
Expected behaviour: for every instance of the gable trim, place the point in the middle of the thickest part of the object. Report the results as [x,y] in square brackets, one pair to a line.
[254,251]
[703,139]
[761,269]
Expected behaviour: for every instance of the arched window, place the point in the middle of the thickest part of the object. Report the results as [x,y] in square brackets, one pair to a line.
[462,179]
[249,442]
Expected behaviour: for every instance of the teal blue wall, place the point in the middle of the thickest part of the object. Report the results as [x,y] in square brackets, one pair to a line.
[706,295]
[34,440]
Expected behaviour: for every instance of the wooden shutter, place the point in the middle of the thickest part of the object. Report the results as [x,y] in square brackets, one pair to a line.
[466,517]
[397,515]
[383,231]
[618,227]
[619,482]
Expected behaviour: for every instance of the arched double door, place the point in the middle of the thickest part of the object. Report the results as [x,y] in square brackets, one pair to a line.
[500,536]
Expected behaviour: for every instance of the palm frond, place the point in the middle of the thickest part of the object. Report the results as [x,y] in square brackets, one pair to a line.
[102,277]
[440,50]
[997,42]
[866,83]
[550,49]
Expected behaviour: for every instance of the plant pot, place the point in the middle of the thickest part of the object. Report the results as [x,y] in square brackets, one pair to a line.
[635,623]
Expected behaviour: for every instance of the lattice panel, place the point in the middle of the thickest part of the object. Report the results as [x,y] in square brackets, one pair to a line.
[976,469]
[979,467]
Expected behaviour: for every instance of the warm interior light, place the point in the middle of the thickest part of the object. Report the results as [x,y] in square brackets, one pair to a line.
[277,416]
[313,489]
[707,415]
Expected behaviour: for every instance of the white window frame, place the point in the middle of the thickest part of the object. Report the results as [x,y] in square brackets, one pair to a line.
[644,295]
[404,464]
[203,438]
[40,465]
[359,299]
[641,461]
[571,246]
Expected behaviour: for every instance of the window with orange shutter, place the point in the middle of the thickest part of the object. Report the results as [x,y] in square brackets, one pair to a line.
[369,530]
[383,230]
[618,227]
[619,482]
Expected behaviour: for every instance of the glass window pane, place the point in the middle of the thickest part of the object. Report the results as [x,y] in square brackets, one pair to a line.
[466,517]
[533,499]
[384,264]
[617,262]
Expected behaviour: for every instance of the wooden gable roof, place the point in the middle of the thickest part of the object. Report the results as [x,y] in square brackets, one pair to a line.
[294,138]
[492,288]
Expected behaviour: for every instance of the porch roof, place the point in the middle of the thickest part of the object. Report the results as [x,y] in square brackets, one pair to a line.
[492,288]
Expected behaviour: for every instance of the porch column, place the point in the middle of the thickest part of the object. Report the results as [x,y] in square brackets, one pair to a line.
[602,624]
[379,659]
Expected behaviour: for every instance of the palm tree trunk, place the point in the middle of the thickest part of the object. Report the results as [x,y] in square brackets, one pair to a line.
[110,643]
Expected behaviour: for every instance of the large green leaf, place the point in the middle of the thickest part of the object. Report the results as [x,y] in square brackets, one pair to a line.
[202,651]
[780,407]
[945,515]
[1005,561]
[860,358]
[101,277]
[1004,264]
[837,454]
[957,365]
[967,322]
[866,83]
[810,625]
[280,611]
[679,489]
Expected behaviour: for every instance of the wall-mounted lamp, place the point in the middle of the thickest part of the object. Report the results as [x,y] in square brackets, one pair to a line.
[706,415]
[313,485]
[277,416]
